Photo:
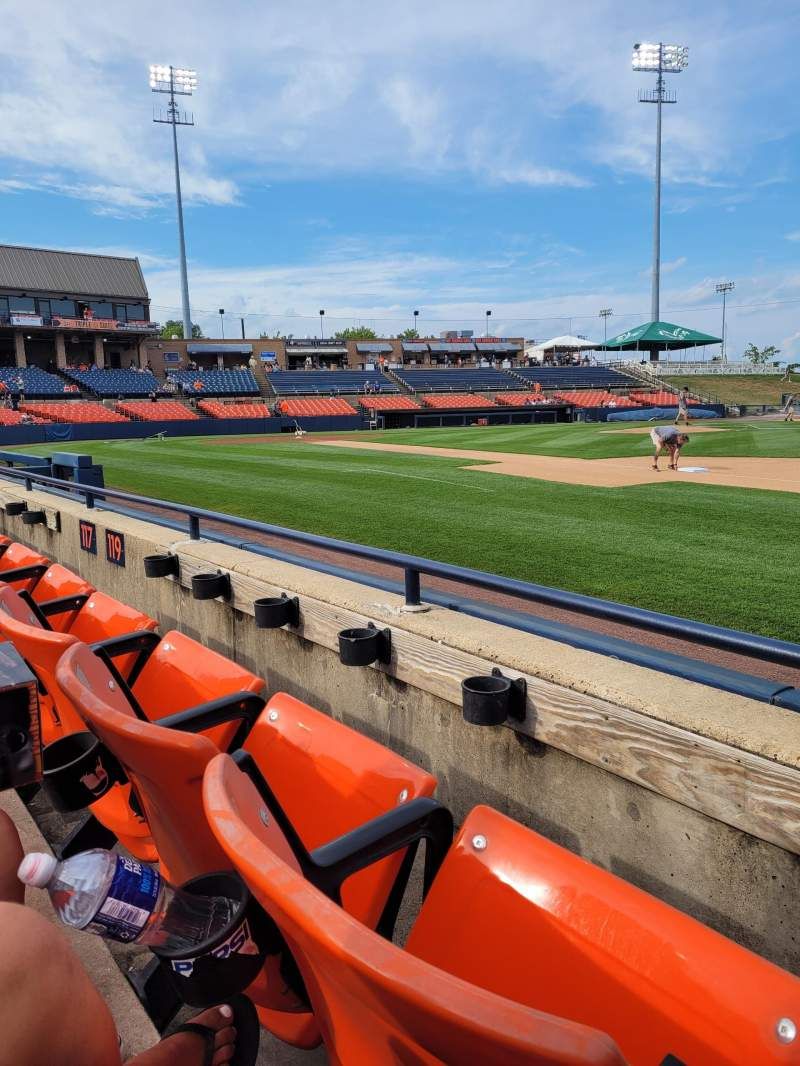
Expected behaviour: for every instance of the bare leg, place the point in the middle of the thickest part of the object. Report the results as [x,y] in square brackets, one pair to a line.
[49,1011]
[658,451]
[12,889]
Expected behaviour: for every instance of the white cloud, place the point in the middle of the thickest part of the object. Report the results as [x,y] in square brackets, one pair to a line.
[519,91]
[793,236]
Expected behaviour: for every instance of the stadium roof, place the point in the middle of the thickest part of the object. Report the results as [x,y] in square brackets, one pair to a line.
[659,336]
[71,273]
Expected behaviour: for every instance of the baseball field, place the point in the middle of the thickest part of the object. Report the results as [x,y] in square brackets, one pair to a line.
[573,506]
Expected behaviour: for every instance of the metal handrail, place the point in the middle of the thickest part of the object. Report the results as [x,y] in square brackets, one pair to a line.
[768,649]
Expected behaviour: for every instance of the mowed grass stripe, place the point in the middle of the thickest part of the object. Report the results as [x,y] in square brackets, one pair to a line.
[722,555]
[603,441]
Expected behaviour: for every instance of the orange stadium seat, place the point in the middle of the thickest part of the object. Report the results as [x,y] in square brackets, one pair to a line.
[21,566]
[522,952]
[160,411]
[325,780]
[375,402]
[446,401]
[314,406]
[594,398]
[372,998]
[72,412]
[519,399]
[659,399]
[216,409]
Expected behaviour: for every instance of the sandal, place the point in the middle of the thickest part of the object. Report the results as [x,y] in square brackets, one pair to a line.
[248,1033]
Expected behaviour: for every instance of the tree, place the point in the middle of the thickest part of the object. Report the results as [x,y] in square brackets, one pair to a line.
[408,335]
[173,330]
[760,356]
[356,333]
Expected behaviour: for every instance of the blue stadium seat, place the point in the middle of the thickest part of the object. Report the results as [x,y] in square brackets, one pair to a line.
[575,377]
[32,381]
[114,382]
[328,382]
[479,379]
[216,382]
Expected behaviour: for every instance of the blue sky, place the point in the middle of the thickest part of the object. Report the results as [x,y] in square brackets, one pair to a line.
[370,158]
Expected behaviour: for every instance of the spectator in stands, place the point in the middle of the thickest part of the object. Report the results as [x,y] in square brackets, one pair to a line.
[308,362]
[683,406]
[26,419]
[169,386]
[667,438]
[152,397]
[198,385]
[88,314]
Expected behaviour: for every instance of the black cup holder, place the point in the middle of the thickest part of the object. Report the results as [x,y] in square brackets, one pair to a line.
[360,647]
[78,770]
[229,961]
[16,507]
[493,698]
[211,586]
[272,612]
[161,566]
[34,518]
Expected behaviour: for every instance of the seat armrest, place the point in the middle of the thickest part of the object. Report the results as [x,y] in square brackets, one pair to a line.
[143,641]
[22,573]
[63,604]
[329,866]
[239,706]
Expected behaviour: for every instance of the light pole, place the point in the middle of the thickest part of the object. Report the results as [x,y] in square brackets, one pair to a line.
[488,316]
[416,322]
[222,321]
[605,314]
[723,289]
[658,59]
[321,330]
[177,81]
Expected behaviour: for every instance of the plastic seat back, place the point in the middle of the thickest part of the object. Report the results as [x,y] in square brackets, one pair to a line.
[329,779]
[374,1002]
[182,673]
[103,617]
[19,555]
[56,582]
[41,649]
[524,917]
[166,766]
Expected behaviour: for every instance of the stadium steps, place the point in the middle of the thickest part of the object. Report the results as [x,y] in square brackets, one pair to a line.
[660,385]
[398,382]
[262,380]
[83,394]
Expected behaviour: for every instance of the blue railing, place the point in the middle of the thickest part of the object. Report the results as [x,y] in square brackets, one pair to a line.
[755,646]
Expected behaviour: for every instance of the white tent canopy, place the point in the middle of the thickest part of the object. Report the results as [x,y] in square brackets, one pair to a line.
[565,344]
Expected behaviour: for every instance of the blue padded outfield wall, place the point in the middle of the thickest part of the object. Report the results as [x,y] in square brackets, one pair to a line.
[196,427]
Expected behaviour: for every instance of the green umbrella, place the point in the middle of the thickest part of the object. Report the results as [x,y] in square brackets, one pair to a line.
[658,337]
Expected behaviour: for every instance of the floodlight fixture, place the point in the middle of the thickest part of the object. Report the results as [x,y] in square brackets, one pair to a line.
[658,59]
[722,289]
[176,81]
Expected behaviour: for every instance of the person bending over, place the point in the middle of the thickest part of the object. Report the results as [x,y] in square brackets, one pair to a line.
[667,439]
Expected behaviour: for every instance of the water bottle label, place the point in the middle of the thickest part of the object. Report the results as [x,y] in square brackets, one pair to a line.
[130,901]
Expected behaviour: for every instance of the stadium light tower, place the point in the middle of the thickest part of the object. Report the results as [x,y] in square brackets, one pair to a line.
[176,81]
[605,314]
[722,290]
[658,59]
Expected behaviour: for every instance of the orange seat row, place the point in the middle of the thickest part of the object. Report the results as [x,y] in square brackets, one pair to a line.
[521,951]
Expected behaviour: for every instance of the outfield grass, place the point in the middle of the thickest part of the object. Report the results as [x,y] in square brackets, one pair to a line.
[739,388]
[723,555]
[604,440]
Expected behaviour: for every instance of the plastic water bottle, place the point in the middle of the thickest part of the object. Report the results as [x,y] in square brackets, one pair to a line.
[123,899]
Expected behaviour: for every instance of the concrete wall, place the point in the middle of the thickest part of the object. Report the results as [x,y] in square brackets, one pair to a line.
[578,787]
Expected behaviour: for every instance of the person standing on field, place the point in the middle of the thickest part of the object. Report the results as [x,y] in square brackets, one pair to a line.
[667,438]
[683,406]
[788,408]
